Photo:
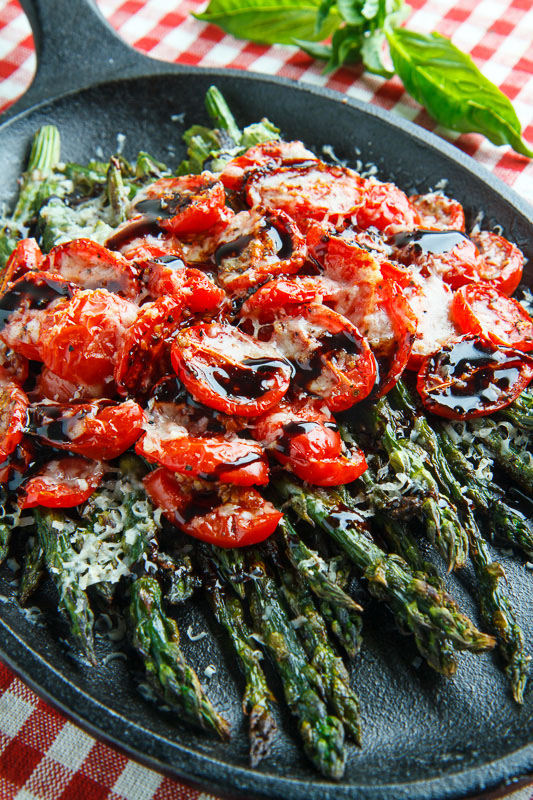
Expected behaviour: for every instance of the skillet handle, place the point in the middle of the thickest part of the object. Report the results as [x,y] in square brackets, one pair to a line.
[75,48]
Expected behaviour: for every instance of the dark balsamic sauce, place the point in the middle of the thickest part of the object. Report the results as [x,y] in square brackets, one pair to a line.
[329,344]
[430,242]
[228,466]
[478,373]
[232,249]
[34,293]
[145,226]
[247,381]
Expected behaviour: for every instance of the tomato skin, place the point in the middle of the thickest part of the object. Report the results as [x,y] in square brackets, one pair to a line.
[101,431]
[19,461]
[451,255]
[472,377]
[239,461]
[25,304]
[90,265]
[256,246]
[483,309]
[26,257]
[228,370]
[80,337]
[335,471]
[166,275]
[50,386]
[405,326]
[438,212]
[13,417]
[307,191]
[188,204]
[225,517]
[144,353]
[341,260]
[266,154]
[501,263]
[386,208]
[62,483]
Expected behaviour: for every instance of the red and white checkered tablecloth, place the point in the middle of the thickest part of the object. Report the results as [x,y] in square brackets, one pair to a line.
[42,755]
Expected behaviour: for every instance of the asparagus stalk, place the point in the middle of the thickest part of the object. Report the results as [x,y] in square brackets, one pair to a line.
[509,523]
[36,183]
[322,735]
[148,169]
[520,413]
[33,571]
[314,636]
[495,605]
[156,638]
[314,570]
[416,604]
[257,699]
[406,458]
[231,564]
[516,463]
[220,113]
[54,536]
[117,192]
[183,580]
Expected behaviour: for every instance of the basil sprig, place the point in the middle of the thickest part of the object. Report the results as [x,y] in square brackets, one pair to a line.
[435,72]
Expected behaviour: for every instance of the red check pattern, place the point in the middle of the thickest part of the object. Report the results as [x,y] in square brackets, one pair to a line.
[42,755]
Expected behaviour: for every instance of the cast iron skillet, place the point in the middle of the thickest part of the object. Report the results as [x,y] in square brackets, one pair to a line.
[425,738]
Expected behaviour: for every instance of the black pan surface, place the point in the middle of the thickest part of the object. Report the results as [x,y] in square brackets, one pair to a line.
[425,738]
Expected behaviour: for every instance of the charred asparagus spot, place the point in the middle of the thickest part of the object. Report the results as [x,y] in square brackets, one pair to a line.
[155,636]
[231,565]
[322,735]
[314,569]
[417,605]
[257,699]
[180,571]
[313,633]
[496,607]
[33,571]
[54,532]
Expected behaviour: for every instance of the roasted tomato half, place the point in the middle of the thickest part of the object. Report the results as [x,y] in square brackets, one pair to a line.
[472,377]
[226,516]
[451,255]
[26,257]
[266,154]
[230,371]
[102,430]
[62,483]
[386,208]
[90,265]
[188,204]
[13,415]
[438,212]
[256,246]
[502,263]
[486,310]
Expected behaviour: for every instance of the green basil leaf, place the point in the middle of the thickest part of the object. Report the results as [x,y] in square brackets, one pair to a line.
[453,90]
[314,49]
[346,46]
[372,54]
[269,21]
[350,11]
[322,13]
[370,9]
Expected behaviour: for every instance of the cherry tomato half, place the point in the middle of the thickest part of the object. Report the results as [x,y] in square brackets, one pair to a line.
[386,208]
[266,154]
[13,416]
[438,212]
[256,246]
[90,265]
[80,337]
[225,516]
[99,430]
[228,370]
[502,263]
[451,255]
[472,377]
[188,204]
[62,483]
[26,257]
[486,310]
[168,275]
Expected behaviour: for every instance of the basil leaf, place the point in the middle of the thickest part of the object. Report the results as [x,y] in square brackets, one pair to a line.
[322,13]
[269,21]
[350,11]
[453,90]
[372,54]
[370,9]
[314,49]
[346,46]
